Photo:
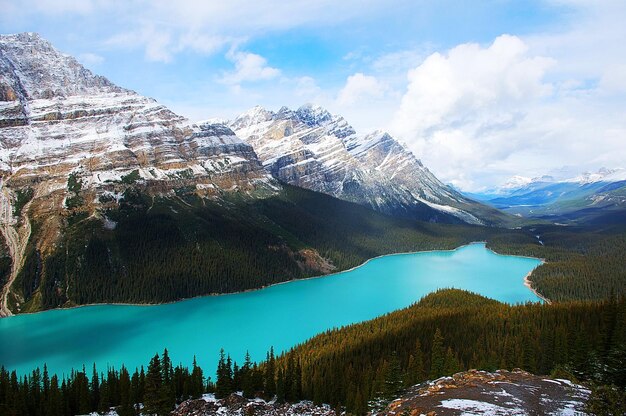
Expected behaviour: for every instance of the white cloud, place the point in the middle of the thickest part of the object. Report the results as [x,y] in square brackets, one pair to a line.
[162,45]
[249,67]
[460,107]
[90,59]
[167,28]
[478,114]
[307,87]
[455,88]
[359,87]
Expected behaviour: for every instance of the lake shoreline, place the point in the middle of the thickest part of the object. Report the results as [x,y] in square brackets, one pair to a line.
[527,282]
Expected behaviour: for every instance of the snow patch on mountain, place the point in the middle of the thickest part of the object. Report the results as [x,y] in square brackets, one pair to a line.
[312,148]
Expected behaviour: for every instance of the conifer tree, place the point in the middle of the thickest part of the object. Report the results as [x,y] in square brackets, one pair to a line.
[437,360]
[153,381]
[269,375]
[197,380]
[247,377]
[452,364]
[280,386]
[224,382]
[166,392]
[95,387]
[126,407]
[55,398]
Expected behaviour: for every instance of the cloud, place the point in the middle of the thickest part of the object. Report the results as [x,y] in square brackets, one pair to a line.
[162,45]
[249,67]
[164,28]
[306,87]
[460,106]
[359,87]
[90,59]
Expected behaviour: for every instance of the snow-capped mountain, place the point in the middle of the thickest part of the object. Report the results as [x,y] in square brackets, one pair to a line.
[57,117]
[585,196]
[602,175]
[311,148]
[522,184]
[72,143]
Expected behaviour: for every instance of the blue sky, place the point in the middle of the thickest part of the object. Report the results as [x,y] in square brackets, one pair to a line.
[479,90]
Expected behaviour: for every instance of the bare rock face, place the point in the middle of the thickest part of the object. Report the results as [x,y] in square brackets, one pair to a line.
[499,393]
[313,149]
[73,141]
[238,405]
[57,118]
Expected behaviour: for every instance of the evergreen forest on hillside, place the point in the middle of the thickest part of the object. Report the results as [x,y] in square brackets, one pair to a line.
[164,250]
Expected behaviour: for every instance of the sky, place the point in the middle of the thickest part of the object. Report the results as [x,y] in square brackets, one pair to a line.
[479,90]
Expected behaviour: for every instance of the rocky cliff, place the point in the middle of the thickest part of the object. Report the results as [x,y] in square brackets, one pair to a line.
[71,141]
[313,149]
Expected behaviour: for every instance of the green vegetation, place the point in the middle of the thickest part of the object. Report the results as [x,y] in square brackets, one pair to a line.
[165,249]
[131,178]
[22,197]
[581,262]
[363,366]
[158,388]
[453,330]
[168,249]
[74,186]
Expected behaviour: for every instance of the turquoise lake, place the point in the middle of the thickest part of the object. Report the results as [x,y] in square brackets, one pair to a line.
[280,316]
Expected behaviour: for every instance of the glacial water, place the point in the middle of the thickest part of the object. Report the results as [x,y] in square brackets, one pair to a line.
[280,316]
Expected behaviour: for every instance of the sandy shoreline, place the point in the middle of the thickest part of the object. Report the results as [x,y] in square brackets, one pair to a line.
[527,282]
[529,285]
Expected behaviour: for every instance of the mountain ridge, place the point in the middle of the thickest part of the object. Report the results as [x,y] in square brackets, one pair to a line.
[311,148]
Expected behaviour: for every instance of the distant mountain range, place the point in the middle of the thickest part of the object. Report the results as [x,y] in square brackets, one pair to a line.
[589,197]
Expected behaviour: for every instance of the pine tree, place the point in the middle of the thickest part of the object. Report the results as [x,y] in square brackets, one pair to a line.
[166,391]
[247,379]
[437,360]
[126,407]
[197,380]
[451,364]
[270,374]
[280,386]
[153,381]
[135,393]
[95,388]
[289,379]
[55,399]
[224,382]
[297,381]
[415,372]
[84,398]
[393,378]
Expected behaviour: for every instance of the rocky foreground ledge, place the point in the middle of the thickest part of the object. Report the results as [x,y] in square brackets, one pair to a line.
[509,393]
[236,404]
[473,392]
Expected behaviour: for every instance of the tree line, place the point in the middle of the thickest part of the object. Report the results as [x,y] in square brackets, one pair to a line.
[361,367]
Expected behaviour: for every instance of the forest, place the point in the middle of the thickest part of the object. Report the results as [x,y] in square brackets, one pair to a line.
[167,249]
[362,366]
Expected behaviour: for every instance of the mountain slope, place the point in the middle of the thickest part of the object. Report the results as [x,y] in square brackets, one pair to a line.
[72,143]
[313,149]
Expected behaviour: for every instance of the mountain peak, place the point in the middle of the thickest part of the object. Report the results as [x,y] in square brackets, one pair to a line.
[313,114]
[34,69]
[253,116]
